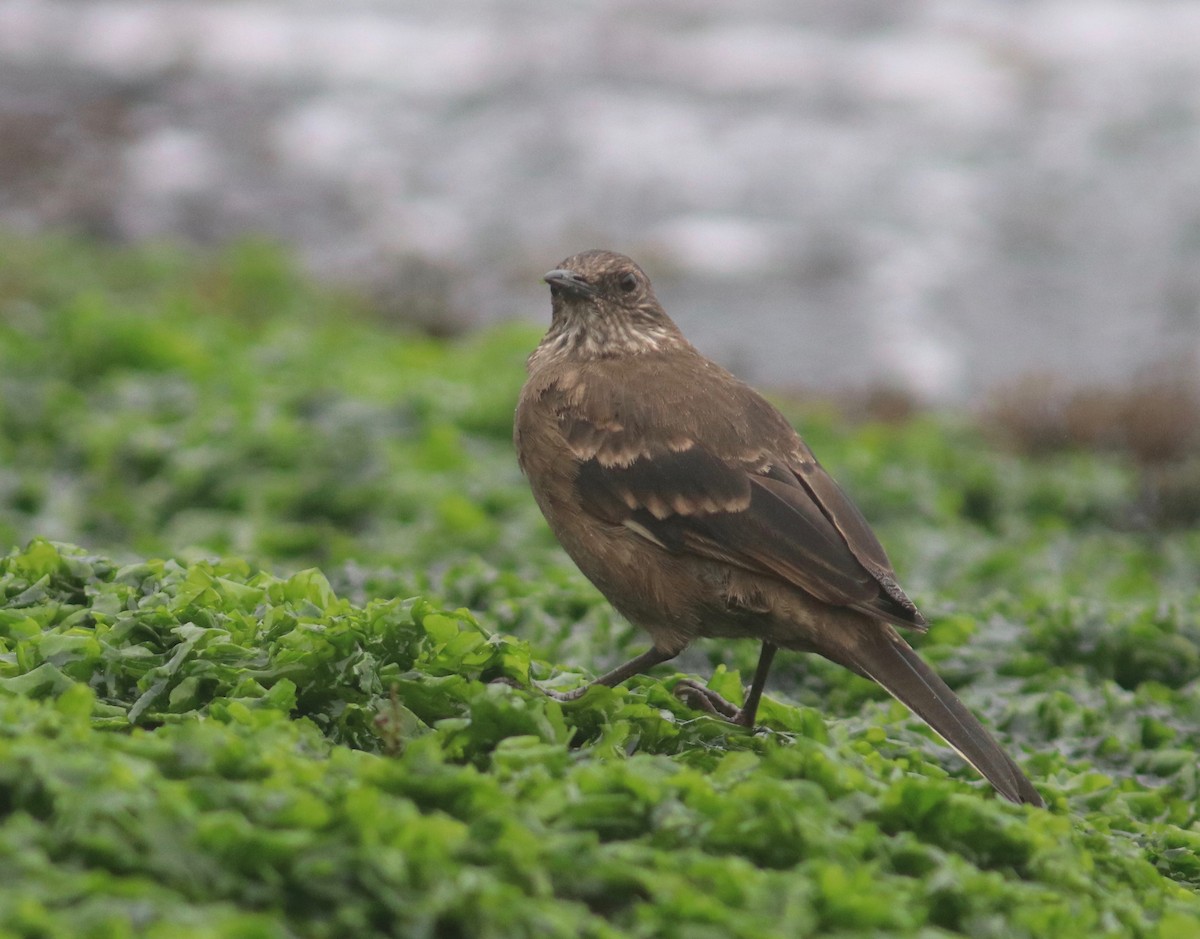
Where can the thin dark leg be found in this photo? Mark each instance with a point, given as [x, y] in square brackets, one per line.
[745, 716]
[643, 662]
[697, 695]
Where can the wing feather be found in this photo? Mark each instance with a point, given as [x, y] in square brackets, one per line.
[779, 517]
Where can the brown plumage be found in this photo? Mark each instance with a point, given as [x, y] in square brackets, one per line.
[697, 510]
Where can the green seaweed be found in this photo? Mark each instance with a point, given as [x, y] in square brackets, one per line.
[268, 556]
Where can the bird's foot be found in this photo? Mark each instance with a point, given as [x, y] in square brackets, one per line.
[703, 698]
[563, 696]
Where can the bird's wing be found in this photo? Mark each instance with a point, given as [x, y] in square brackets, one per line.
[773, 514]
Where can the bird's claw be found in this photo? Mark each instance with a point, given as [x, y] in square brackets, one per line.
[562, 696]
[703, 698]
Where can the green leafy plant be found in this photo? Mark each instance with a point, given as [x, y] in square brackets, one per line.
[263, 700]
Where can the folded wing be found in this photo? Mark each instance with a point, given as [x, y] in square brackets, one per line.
[776, 515]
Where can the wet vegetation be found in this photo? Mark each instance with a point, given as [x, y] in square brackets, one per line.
[266, 556]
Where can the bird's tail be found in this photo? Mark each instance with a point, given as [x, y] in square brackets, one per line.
[883, 656]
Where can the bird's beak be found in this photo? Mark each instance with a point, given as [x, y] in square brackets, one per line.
[569, 281]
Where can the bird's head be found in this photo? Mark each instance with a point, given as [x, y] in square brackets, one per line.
[604, 306]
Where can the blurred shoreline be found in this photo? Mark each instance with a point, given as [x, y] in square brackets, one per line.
[931, 197]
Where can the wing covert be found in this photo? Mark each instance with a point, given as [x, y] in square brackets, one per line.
[692, 501]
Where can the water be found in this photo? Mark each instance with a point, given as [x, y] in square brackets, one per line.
[937, 195]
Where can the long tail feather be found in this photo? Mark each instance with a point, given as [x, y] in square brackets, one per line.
[887, 659]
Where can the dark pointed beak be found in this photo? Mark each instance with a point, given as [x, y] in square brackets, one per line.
[570, 282]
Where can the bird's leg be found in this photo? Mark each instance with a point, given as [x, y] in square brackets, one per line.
[643, 662]
[646, 660]
[697, 695]
[754, 695]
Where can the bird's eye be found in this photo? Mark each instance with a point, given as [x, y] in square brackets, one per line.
[627, 282]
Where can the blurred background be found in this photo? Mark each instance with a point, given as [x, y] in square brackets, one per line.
[941, 198]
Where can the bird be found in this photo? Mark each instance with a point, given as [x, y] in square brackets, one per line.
[698, 511]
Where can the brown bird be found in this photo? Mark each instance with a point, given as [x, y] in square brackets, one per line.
[698, 511]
